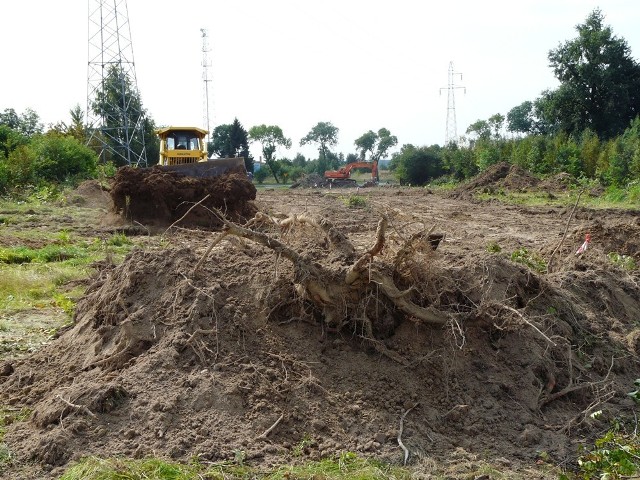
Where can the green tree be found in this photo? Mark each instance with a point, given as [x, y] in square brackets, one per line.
[418, 166]
[10, 139]
[270, 137]
[600, 81]
[26, 124]
[496, 123]
[52, 157]
[75, 128]
[520, 119]
[480, 130]
[60, 157]
[459, 162]
[126, 127]
[377, 144]
[325, 135]
[231, 140]
[299, 160]
[366, 144]
[589, 152]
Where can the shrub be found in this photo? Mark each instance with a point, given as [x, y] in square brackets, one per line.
[530, 259]
[58, 157]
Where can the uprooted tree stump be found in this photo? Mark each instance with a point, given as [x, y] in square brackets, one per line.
[344, 295]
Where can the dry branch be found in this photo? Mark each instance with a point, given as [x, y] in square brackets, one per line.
[270, 429]
[356, 270]
[75, 406]
[404, 449]
[564, 235]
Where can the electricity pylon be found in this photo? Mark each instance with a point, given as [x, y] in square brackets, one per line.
[115, 117]
[451, 135]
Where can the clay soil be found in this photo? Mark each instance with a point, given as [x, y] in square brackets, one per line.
[168, 357]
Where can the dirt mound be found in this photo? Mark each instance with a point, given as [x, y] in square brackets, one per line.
[92, 194]
[245, 353]
[312, 180]
[501, 175]
[159, 197]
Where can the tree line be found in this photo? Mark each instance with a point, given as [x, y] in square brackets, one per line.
[588, 127]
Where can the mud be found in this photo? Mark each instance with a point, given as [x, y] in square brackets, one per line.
[169, 357]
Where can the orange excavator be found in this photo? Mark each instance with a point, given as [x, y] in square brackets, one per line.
[342, 176]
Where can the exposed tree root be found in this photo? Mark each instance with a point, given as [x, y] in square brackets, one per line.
[338, 294]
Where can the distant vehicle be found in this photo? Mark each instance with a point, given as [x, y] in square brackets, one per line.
[342, 176]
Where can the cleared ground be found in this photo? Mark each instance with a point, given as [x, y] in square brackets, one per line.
[497, 346]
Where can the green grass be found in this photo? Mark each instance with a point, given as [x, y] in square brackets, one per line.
[355, 201]
[347, 466]
[30, 286]
[530, 259]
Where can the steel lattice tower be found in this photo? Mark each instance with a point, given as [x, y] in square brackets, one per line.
[115, 117]
[206, 63]
[451, 135]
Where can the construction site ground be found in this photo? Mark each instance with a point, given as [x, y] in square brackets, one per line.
[192, 349]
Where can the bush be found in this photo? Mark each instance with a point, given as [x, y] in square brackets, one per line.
[47, 158]
[59, 157]
[261, 174]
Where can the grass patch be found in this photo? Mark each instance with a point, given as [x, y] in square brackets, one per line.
[625, 262]
[530, 259]
[347, 466]
[48, 253]
[355, 201]
[628, 198]
[35, 286]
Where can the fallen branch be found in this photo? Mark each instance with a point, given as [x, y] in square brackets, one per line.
[270, 429]
[186, 213]
[564, 235]
[522, 317]
[206, 254]
[427, 315]
[356, 270]
[75, 406]
[404, 449]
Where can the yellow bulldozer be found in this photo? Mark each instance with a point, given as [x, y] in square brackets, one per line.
[183, 149]
[183, 178]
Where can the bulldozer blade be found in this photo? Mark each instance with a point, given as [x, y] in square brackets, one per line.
[210, 168]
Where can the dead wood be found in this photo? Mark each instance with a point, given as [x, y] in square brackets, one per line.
[337, 299]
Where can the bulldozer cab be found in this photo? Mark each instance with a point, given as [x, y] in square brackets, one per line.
[184, 150]
[182, 145]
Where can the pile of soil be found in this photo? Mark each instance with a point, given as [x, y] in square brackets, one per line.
[501, 175]
[91, 194]
[312, 180]
[171, 357]
[155, 196]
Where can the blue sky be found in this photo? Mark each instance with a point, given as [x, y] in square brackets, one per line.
[360, 65]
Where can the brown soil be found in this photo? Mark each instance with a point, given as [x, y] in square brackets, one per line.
[502, 175]
[159, 197]
[167, 359]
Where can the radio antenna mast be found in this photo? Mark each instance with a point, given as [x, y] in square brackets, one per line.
[206, 63]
